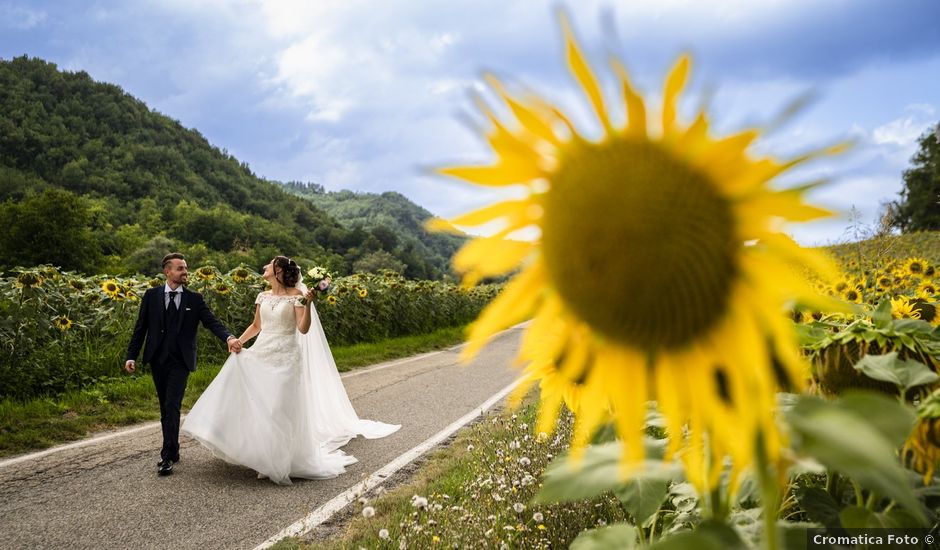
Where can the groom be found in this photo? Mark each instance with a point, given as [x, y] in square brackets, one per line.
[169, 316]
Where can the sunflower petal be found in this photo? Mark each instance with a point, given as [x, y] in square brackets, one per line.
[514, 304]
[636, 108]
[583, 74]
[526, 116]
[497, 174]
[491, 256]
[675, 82]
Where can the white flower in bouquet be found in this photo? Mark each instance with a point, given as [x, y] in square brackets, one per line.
[320, 278]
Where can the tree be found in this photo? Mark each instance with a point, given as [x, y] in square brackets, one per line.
[52, 227]
[919, 206]
[377, 261]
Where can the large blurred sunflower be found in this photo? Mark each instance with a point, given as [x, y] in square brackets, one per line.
[659, 274]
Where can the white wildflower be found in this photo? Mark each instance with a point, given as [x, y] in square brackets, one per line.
[368, 512]
[419, 502]
[383, 534]
[518, 507]
[525, 461]
[538, 517]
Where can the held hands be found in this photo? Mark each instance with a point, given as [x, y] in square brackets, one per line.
[234, 345]
[129, 366]
[309, 296]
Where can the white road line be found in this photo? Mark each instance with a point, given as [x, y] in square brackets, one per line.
[77, 444]
[337, 503]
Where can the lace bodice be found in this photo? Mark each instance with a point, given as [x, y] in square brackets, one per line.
[277, 340]
[277, 312]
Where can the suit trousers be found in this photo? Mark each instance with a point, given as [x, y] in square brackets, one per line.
[170, 376]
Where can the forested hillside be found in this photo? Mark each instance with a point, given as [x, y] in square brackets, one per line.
[91, 179]
[395, 221]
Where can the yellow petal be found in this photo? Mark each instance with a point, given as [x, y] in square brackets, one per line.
[636, 108]
[497, 174]
[583, 74]
[488, 256]
[785, 204]
[440, 225]
[514, 209]
[526, 116]
[513, 305]
[675, 82]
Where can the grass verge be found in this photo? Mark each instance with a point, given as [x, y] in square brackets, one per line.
[42, 422]
[475, 493]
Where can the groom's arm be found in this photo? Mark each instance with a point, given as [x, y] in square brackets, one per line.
[140, 330]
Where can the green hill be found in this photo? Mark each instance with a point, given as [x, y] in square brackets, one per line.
[91, 179]
[393, 220]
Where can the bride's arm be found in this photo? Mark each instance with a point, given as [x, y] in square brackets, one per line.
[302, 312]
[253, 329]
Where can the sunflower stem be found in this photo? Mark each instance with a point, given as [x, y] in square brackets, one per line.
[859, 498]
[769, 492]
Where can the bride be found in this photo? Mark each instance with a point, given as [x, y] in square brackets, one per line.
[279, 407]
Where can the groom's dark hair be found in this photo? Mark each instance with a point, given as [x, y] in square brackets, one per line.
[172, 256]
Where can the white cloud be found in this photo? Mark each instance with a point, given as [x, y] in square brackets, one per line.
[902, 132]
[20, 18]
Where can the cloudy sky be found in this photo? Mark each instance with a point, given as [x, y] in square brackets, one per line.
[366, 95]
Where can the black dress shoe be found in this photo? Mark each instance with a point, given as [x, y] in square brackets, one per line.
[166, 468]
[175, 460]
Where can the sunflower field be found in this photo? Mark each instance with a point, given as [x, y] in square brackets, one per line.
[663, 291]
[61, 330]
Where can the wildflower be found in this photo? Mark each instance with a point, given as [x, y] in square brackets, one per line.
[206, 273]
[927, 289]
[419, 502]
[111, 288]
[518, 507]
[537, 517]
[922, 448]
[368, 512]
[525, 461]
[240, 274]
[62, 323]
[902, 308]
[76, 284]
[701, 339]
[383, 534]
[915, 267]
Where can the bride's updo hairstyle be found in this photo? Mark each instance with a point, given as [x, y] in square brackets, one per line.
[290, 271]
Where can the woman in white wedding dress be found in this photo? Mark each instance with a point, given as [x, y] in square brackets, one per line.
[279, 407]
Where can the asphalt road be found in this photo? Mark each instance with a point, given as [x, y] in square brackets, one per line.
[107, 494]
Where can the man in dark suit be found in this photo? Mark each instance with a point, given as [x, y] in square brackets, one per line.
[169, 318]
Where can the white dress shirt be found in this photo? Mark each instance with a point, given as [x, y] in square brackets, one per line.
[166, 294]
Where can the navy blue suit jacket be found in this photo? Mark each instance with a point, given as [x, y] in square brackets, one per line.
[150, 324]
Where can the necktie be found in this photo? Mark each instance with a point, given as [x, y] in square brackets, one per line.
[172, 308]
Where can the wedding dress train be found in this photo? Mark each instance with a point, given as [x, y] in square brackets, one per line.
[279, 407]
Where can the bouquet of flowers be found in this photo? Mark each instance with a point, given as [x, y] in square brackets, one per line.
[320, 278]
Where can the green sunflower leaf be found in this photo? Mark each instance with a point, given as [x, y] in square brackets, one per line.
[620, 535]
[905, 374]
[882, 314]
[598, 471]
[858, 436]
